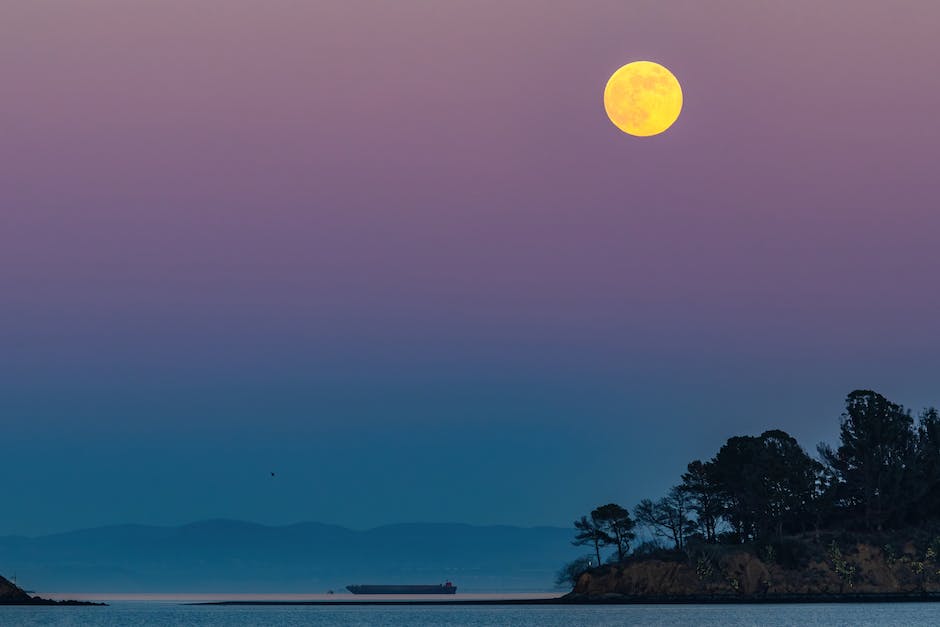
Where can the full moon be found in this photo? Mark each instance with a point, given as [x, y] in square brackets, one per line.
[643, 98]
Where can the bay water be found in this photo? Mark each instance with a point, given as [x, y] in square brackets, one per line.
[161, 613]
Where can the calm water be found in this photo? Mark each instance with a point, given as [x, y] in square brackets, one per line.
[129, 614]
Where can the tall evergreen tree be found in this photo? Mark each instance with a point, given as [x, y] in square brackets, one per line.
[874, 460]
[737, 474]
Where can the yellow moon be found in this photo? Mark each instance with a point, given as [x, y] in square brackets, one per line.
[643, 98]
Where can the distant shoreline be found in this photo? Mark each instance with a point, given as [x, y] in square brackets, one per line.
[37, 602]
[767, 599]
[392, 602]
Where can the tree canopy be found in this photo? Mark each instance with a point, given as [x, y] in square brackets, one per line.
[884, 473]
[875, 462]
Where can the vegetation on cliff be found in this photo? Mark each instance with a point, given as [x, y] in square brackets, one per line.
[764, 516]
[828, 563]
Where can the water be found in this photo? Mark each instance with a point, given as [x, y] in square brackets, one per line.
[137, 613]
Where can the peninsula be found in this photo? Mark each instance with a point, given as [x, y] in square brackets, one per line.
[764, 520]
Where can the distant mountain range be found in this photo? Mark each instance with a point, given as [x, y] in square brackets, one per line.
[234, 556]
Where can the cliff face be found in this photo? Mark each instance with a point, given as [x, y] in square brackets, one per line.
[827, 570]
[10, 593]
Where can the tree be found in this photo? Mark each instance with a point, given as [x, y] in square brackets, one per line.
[823, 510]
[766, 484]
[589, 533]
[668, 517]
[873, 463]
[927, 466]
[737, 474]
[699, 484]
[617, 526]
[792, 481]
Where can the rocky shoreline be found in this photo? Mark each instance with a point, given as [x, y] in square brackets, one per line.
[732, 599]
[11, 594]
[797, 570]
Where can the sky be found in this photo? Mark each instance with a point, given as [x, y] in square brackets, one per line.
[396, 253]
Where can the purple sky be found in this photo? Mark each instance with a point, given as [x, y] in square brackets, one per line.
[369, 243]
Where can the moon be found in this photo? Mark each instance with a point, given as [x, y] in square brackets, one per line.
[643, 98]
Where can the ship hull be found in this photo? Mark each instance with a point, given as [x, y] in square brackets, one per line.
[369, 589]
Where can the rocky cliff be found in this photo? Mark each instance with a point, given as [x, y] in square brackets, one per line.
[803, 568]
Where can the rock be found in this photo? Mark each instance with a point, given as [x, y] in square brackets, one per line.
[735, 572]
[10, 593]
[749, 573]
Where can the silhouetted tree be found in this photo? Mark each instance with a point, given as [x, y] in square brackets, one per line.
[737, 475]
[927, 466]
[885, 472]
[617, 525]
[792, 482]
[698, 483]
[874, 458]
[589, 533]
[766, 483]
[822, 510]
[668, 517]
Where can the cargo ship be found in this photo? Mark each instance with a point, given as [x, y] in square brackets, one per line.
[444, 588]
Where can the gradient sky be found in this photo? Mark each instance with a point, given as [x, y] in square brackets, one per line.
[395, 251]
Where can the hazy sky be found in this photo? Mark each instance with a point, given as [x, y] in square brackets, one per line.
[395, 251]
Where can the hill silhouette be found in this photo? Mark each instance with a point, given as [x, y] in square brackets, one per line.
[11, 594]
[237, 556]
